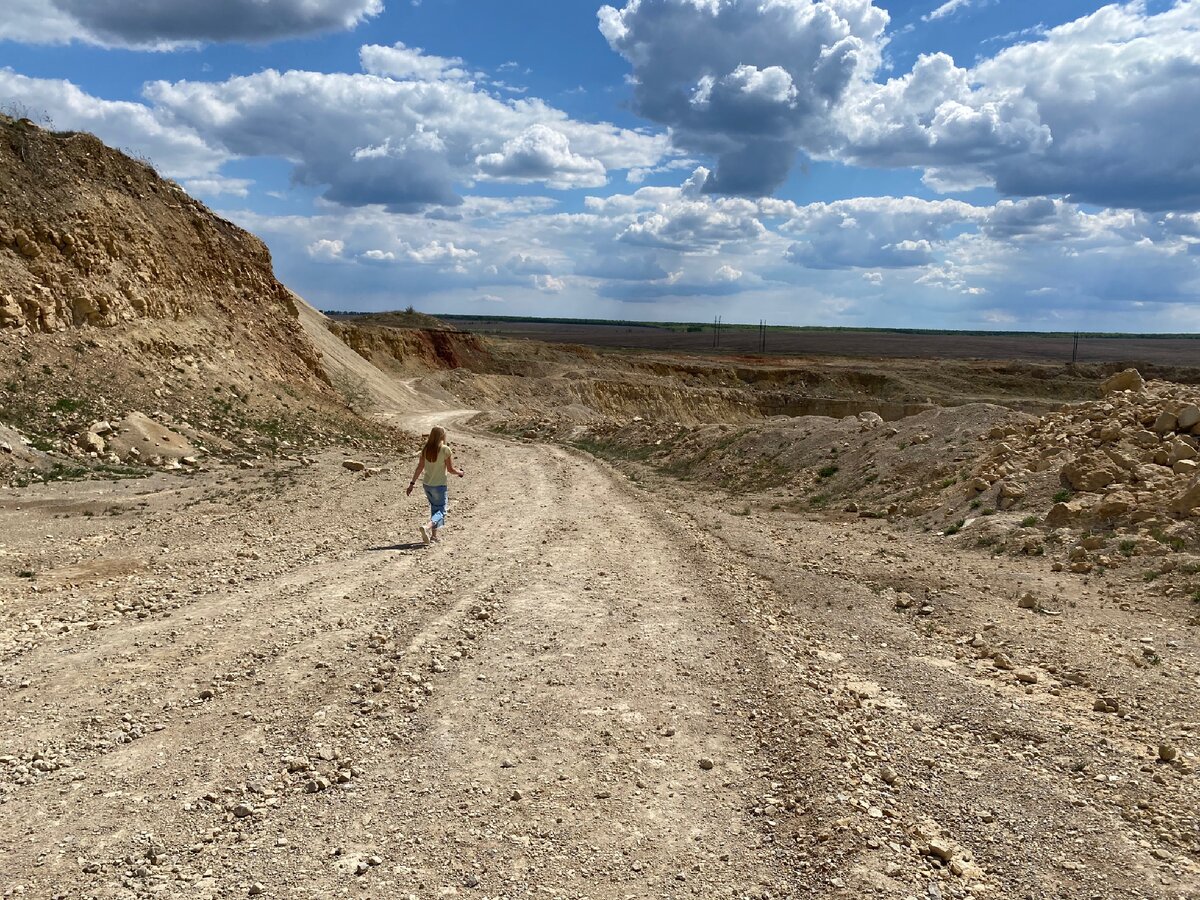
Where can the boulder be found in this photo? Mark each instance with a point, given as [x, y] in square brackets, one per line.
[353, 465]
[1129, 380]
[1166, 422]
[93, 443]
[1062, 514]
[1189, 501]
[1188, 417]
[1185, 466]
[1089, 473]
[1144, 439]
[1180, 448]
[1118, 503]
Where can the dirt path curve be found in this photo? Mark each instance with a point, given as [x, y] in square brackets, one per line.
[547, 704]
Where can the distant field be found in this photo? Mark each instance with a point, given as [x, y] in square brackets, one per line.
[1165, 350]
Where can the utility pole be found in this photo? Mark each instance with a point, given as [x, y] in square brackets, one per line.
[716, 332]
[1075, 348]
[762, 335]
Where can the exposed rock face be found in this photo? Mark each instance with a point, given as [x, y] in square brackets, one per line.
[90, 237]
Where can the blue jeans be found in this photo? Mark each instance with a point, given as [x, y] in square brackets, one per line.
[436, 495]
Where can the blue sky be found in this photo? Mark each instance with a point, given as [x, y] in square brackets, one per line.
[999, 164]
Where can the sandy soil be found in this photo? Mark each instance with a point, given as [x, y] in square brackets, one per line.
[256, 682]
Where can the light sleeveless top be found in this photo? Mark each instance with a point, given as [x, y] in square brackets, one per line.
[434, 473]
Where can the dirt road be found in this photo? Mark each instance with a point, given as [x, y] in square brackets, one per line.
[255, 683]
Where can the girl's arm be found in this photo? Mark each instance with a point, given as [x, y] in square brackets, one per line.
[450, 467]
[417, 473]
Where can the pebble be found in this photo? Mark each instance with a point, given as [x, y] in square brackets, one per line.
[706, 763]
[1167, 753]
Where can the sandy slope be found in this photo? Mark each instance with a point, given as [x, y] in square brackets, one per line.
[250, 682]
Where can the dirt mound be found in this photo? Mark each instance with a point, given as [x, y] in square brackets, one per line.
[120, 294]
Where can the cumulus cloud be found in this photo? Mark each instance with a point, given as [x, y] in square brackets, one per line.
[177, 151]
[1089, 110]
[404, 144]
[746, 82]
[540, 153]
[326, 249]
[162, 24]
[549, 284]
[402, 63]
[875, 232]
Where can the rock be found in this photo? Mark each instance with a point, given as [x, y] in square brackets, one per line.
[1166, 422]
[1181, 448]
[1185, 466]
[101, 428]
[354, 465]
[1106, 705]
[1027, 601]
[6, 447]
[1002, 661]
[515, 795]
[1026, 676]
[1167, 753]
[1118, 503]
[939, 849]
[1063, 514]
[1128, 380]
[256, 889]
[706, 763]
[93, 443]
[1089, 473]
[1189, 500]
[1188, 417]
[243, 810]
[888, 775]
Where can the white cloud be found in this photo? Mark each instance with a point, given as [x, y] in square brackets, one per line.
[166, 24]
[177, 151]
[436, 253]
[540, 153]
[746, 82]
[549, 284]
[326, 250]
[875, 232]
[949, 8]
[217, 185]
[406, 145]
[404, 63]
[1090, 110]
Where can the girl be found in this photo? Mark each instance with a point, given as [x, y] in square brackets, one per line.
[435, 462]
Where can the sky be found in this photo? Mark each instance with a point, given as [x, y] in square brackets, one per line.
[973, 164]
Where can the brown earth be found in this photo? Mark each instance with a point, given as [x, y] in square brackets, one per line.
[700, 627]
[1173, 356]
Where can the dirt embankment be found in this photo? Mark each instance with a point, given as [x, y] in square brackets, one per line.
[122, 296]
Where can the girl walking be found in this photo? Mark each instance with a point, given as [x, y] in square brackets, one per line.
[434, 463]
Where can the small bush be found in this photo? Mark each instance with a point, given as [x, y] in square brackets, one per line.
[1063, 496]
[1029, 521]
[955, 528]
[827, 471]
[1127, 547]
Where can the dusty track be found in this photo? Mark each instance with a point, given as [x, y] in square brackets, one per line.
[523, 710]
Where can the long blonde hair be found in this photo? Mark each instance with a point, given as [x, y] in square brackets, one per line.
[434, 443]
